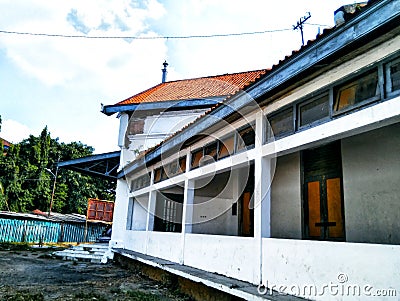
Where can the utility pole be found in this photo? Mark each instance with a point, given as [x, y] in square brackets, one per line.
[54, 186]
[300, 25]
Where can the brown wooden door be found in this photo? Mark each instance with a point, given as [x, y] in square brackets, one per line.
[325, 215]
[247, 215]
[323, 201]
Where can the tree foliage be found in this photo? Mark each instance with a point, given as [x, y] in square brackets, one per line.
[27, 173]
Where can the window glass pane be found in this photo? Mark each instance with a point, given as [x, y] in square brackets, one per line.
[172, 169]
[246, 138]
[357, 91]
[196, 156]
[211, 150]
[210, 153]
[226, 147]
[395, 76]
[157, 175]
[314, 110]
[282, 123]
[182, 164]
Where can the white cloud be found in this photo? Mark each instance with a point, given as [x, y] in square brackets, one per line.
[57, 61]
[15, 132]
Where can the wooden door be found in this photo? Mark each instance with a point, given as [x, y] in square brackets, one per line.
[325, 215]
[323, 201]
[247, 215]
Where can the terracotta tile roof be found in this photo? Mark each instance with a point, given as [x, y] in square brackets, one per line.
[196, 88]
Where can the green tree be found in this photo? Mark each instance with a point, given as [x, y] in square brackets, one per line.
[26, 183]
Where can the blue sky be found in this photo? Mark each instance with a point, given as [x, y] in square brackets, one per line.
[61, 82]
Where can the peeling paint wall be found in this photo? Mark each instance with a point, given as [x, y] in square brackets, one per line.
[371, 180]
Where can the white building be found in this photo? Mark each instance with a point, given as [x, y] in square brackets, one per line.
[292, 182]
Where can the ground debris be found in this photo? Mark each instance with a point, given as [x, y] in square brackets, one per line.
[28, 275]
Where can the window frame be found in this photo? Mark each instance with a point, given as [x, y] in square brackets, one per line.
[251, 127]
[277, 113]
[306, 102]
[347, 82]
[388, 78]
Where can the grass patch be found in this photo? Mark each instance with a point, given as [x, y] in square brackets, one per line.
[14, 246]
[23, 296]
[88, 296]
[141, 296]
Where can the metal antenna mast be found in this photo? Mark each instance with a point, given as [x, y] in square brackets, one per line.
[300, 25]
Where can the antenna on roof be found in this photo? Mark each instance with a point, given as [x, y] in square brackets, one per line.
[164, 72]
[300, 25]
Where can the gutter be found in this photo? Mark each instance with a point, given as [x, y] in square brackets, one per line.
[176, 105]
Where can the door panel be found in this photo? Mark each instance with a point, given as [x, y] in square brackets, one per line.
[246, 214]
[334, 199]
[323, 202]
[314, 208]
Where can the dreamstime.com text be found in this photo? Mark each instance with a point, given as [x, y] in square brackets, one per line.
[341, 287]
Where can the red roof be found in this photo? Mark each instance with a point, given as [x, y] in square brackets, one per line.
[196, 88]
[5, 142]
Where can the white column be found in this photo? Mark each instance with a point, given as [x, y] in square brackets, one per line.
[262, 196]
[187, 213]
[120, 214]
[151, 208]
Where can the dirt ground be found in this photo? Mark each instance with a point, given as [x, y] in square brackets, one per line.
[28, 274]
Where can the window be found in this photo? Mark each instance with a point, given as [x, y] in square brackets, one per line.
[182, 164]
[246, 138]
[157, 175]
[196, 156]
[226, 146]
[282, 123]
[393, 76]
[174, 168]
[360, 90]
[314, 110]
[141, 182]
[210, 153]
[136, 126]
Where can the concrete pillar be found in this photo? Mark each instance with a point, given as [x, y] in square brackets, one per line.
[120, 214]
[151, 208]
[187, 213]
[262, 195]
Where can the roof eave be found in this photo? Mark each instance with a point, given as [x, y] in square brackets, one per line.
[377, 16]
[187, 104]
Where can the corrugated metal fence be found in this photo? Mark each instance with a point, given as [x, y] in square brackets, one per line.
[26, 230]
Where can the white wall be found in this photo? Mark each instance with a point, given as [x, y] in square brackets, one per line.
[214, 216]
[165, 245]
[286, 198]
[371, 180]
[120, 214]
[228, 256]
[157, 127]
[300, 264]
[212, 205]
[136, 241]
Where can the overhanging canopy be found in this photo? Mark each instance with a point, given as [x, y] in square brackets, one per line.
[101, 165]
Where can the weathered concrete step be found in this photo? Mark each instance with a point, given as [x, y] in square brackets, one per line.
[78, 252]
[86, 252]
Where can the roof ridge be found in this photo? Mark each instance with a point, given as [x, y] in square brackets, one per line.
[218, 75]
